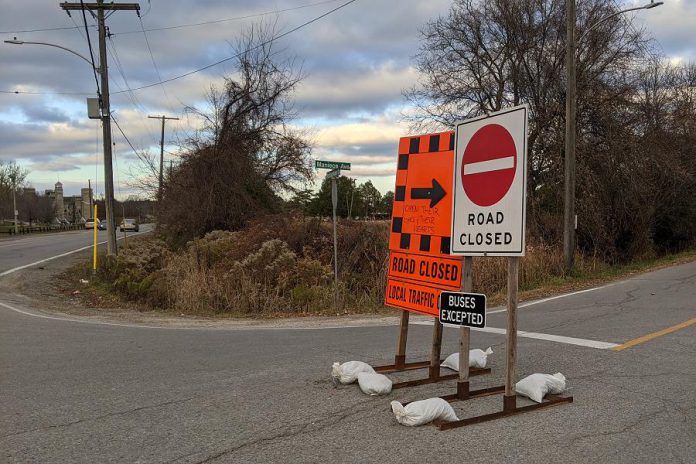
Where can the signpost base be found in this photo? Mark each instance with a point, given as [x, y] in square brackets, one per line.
[509, 402]
[400, 364]
[473, 371]
[509, 409]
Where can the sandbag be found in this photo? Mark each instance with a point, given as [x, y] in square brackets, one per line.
[422, 412]
[536, 386]
[477, 358]
[348, 371]
[374, 384]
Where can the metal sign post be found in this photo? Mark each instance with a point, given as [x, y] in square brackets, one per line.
[333, 175]
[334, 202]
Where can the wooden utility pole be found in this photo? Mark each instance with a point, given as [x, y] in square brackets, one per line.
[161, 167]
[569, 194]
[100, 7]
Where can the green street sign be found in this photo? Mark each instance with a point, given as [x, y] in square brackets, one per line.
[333, 174]
[331, 165]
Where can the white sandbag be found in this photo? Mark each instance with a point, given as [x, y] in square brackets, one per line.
[374, 384]
[536, 386]
[477, 358]
[348, 371]
[422, 412]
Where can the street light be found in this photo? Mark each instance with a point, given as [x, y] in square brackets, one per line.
[22, 42]
[569, 218]
[106, 125]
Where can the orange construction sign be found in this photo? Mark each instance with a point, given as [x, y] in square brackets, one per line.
[420, 265]
[412, 297]
[445, 273]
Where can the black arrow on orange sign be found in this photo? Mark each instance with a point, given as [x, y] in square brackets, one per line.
[434, 194]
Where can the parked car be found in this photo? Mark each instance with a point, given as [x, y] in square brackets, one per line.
[130, 224]
[90, 223]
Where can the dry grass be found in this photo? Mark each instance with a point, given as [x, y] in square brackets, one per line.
[283, 266]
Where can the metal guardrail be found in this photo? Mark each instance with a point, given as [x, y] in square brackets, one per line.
[39, 229]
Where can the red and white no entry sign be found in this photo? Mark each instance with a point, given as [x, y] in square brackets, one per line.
[488, 165]
[489, 202]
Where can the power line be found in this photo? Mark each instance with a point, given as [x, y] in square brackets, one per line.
[236, 18]
[123, 134]
[25, 31]
[178, 26]
[284, 34]
[131, 95]
[29, 92]
[159, 76]
[91, 53]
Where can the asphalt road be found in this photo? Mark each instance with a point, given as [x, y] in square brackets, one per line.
[83, 391]
[21, 250]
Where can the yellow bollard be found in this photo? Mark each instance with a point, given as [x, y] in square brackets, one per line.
[94, 263]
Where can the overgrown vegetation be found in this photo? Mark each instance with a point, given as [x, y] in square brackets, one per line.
[230, 242]
[283, 266]
[245, 155]
[278, 264]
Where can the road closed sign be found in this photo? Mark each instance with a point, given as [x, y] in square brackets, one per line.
[490, 179]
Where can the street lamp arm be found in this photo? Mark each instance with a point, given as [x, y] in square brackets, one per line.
[627, 10]
[22, 42]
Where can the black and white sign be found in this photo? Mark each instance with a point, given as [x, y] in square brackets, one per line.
[463, 309]
[490, 182]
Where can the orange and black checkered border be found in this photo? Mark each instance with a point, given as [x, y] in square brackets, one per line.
[431, 245]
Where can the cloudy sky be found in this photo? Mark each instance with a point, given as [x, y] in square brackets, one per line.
[357, 60]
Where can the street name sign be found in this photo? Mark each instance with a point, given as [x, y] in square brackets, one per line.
[490, 182]
[334, 173]
[318, 164]
[463, 309]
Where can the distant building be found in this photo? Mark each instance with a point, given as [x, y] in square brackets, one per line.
[29, 191]
[76, 208]
[60, 204]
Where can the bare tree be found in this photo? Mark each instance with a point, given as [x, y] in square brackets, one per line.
[245, 152]
[487, 55]
[12, 176]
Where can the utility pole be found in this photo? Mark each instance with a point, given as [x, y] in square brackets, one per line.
[161, 167]
[569, 194]
[100, 7]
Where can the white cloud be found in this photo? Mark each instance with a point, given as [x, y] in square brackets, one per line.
[357, 62]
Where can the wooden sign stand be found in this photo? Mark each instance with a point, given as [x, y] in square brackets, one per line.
[433, 364]
[508, 390]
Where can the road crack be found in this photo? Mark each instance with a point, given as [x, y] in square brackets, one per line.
[96, 418]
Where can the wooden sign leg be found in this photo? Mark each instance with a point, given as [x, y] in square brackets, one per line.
[509, 400]
[400, 358]
[437, 349]
[464, 335]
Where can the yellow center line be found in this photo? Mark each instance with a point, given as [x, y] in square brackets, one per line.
[651, 336]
